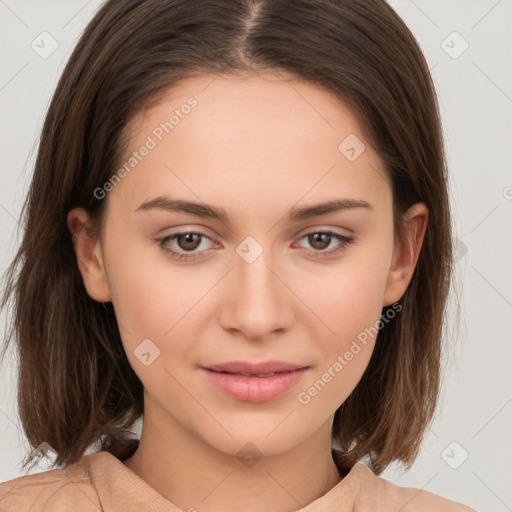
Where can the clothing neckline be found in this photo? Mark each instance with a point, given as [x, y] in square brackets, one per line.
[117, 483]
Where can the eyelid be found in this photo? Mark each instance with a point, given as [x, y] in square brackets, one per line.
[203, 230]
[343, 241]
[192, 228]
[325, 227]
[176, 254]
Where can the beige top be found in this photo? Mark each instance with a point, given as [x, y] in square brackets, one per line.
[101, 482]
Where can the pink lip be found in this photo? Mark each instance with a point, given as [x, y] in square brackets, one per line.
[252, 388]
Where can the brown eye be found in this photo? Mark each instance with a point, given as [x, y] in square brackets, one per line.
[319, 241]
[182, 246]
[188, 241]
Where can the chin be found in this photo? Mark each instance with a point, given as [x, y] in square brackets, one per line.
[256, 439]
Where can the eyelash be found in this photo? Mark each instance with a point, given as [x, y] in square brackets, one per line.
[162, 243]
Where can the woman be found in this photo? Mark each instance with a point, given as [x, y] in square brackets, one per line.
[239, 229]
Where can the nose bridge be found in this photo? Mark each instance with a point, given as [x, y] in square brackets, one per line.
[258, 301]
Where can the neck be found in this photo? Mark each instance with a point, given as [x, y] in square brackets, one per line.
[193, 475]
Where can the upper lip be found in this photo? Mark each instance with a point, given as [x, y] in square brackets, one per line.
[254, 368]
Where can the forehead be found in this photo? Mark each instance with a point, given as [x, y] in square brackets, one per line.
[248, 140]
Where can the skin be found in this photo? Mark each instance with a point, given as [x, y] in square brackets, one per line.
[256, 146]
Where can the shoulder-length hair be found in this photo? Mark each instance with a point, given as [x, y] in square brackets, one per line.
[76, 386]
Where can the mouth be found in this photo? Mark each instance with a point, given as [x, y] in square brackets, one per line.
[254, 382]
[259, 375]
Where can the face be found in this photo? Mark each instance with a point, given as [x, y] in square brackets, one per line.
[252, 273]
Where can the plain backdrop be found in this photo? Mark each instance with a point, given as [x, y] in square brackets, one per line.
[466, 454]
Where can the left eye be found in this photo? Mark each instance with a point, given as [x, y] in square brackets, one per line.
[190, 240]
[318, 239]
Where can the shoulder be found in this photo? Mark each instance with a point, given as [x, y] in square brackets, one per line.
[57, 490]
[377, 493]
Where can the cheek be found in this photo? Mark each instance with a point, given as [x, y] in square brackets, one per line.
[153, 301]
[166, 309]
[344, 341]
[347, 300]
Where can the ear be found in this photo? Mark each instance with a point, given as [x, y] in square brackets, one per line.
[89, 256]
[406, 254]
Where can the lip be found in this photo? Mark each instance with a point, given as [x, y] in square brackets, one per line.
[254, 389]
[254, 368]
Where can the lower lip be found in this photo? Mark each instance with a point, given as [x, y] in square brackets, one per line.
[254, 389]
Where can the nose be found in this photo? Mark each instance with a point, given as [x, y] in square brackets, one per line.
[258, 302]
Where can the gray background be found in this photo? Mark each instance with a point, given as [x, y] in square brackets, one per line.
[466, 454]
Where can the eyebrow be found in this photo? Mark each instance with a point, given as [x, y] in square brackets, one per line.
[204, 210]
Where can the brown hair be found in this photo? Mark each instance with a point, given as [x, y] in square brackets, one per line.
[76, 386]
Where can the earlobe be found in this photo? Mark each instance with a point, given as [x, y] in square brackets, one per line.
[406, 255]
[89, 256]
